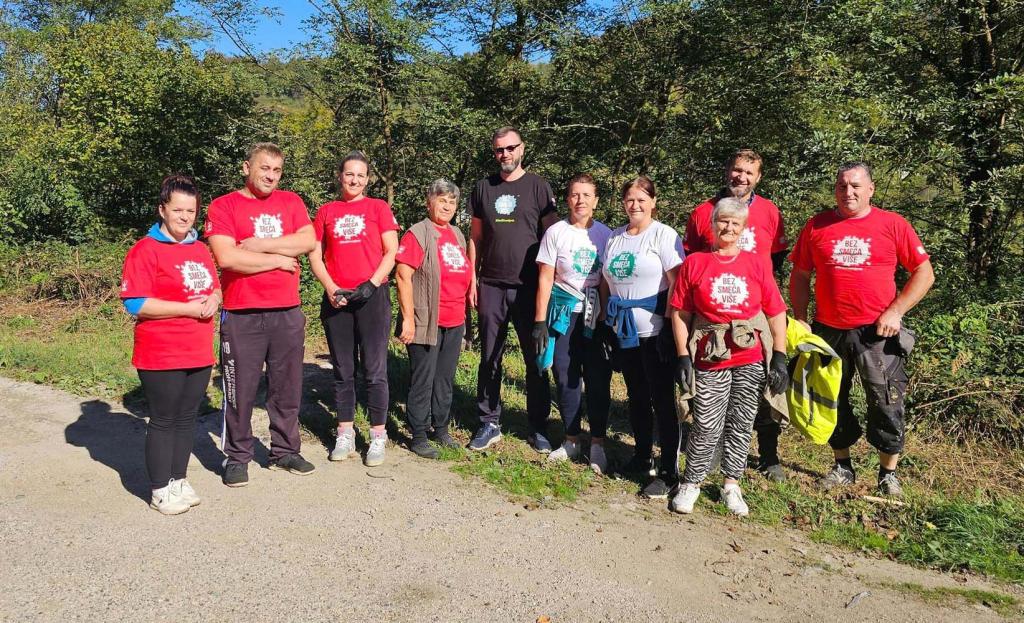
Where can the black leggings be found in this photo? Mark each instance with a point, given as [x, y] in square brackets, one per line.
[649, 386]
[173, 397]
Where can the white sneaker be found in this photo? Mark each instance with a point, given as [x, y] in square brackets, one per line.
[733, 498]
[375, 455]
[568, 452]
[685, 499]
[345, 446]
[598, 461]
[167, 502]
[184, 490]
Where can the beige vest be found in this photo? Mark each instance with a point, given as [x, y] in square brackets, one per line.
[426, 282]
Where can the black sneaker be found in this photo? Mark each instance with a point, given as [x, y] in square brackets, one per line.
[658, 488]
[639, 466]
[236, 474]
[294, 463]
[424, 449]
[444, 439]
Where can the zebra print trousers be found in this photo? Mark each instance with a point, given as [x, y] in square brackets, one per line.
[726, 403]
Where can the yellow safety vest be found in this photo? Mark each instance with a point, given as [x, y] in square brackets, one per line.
[814, 388]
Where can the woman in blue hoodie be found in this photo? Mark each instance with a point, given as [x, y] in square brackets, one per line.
[170, 286]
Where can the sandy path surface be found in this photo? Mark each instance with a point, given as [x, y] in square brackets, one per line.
[78, 543]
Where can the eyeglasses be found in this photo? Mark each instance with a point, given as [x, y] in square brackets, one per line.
[511, 148]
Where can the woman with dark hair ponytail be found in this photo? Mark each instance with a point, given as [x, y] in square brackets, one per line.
[170, 286]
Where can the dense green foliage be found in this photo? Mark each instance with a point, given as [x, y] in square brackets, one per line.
[99, 99]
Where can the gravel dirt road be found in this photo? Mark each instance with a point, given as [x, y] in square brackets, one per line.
[416, 543]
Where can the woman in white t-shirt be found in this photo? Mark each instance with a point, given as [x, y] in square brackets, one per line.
[568, 304]
[642, 259]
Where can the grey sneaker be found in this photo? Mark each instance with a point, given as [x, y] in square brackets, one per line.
[773, 472]
[568, 451]
[890, 486]
[838, 477]
[598, 460]
[375, 455]
[236, 474]
[345, 446]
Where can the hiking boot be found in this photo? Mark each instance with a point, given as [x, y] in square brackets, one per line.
[444, 439]
[638, 466]
[658, 488]
[236, 474]
[733, 498]
[890, 486]
[486, 436]
[540, 443]
[569, 451]
[838, 477]
[184, 490]
[598, 461]
[293, 463]
[375, 453]
[772, 472]
[685, 498]
[167, 501]
[423, 448]
[345, 446]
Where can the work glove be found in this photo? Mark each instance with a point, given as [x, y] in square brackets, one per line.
[684, 370]
[361, 294]
[539, 334]
[666, 344]
[778, 374]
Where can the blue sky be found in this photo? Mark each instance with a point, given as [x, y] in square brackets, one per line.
[285, 30]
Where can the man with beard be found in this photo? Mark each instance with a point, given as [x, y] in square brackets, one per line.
[764, 236]
[510, 210]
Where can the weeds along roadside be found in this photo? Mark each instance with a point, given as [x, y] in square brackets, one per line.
[63, 325]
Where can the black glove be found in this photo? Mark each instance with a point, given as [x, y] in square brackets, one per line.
[609, 343]
[361, 294]
[540, 337]
[684, 370]
[666, 344]
[778, 374]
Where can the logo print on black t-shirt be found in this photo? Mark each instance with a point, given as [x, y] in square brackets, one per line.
[622, 266]
[505, 205]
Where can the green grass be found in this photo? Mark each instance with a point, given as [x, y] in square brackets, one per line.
[1003, 604]
[526, 478]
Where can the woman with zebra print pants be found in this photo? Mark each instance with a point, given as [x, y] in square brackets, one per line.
[727, 316]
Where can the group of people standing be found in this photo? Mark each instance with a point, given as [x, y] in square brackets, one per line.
[702, 312]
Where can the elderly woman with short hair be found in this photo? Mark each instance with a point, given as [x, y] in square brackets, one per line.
[434, 280]
[729, 322]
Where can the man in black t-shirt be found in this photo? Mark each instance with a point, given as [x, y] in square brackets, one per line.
[510, 211]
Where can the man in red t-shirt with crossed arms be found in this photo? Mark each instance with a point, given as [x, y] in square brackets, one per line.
[854, 250]
[256, 234]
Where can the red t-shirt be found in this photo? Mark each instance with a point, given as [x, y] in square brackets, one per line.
[855, 261]
[238, 217]
[454, 273]
[170, 272]
[349, 232]
[763, 235]
[727, 289]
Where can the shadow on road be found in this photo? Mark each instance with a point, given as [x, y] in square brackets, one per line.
[117, 439]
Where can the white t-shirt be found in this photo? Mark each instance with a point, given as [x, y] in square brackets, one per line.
[635, 267]
[577, 255]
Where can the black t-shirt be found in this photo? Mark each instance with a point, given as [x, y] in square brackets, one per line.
[511, 213]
